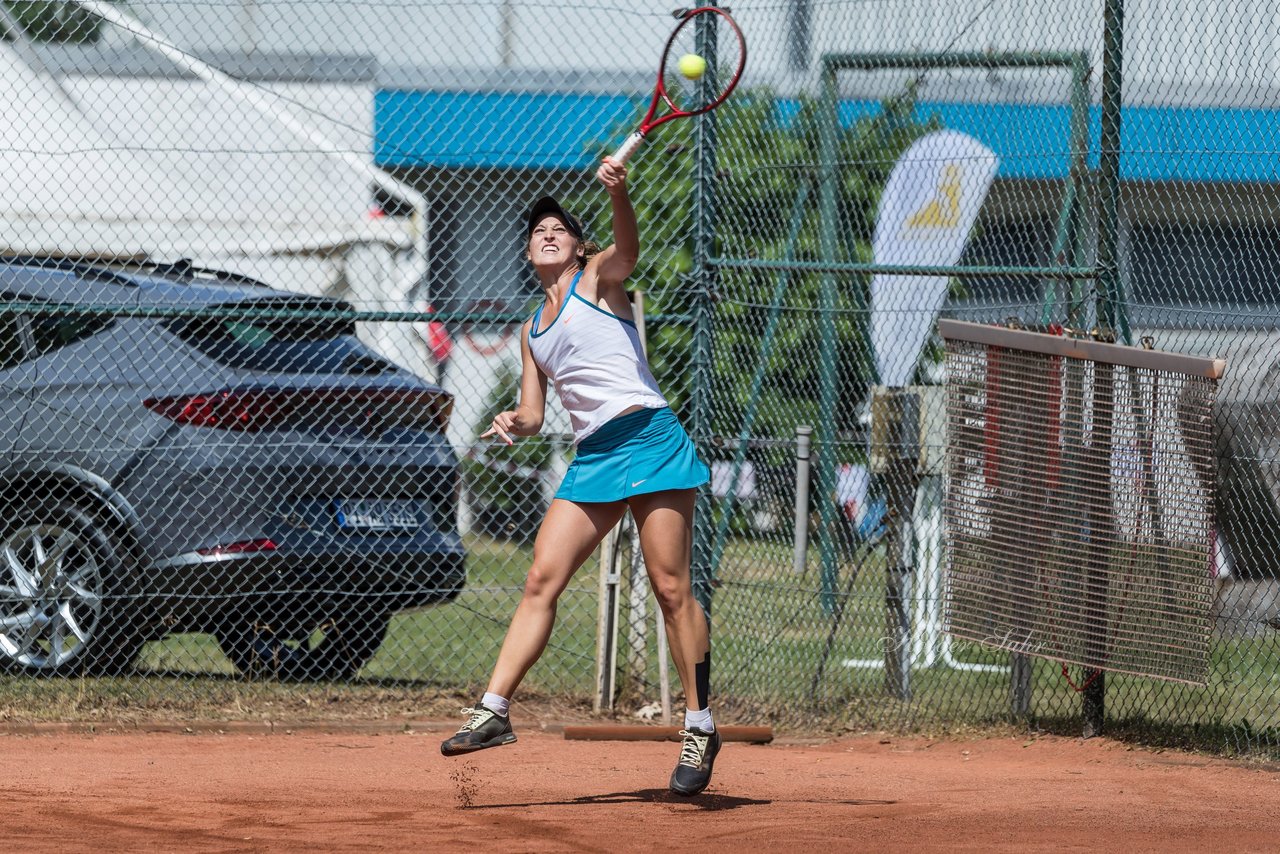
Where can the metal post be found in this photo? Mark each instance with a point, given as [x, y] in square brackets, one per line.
[664, 671]
[1101, 521]
[801, 535]
[607, 623]
[637, 615]
[898, 414]
[1067, 238]
[704, 280]
[1111, 310]
[800, 17]
[1020, 669]
[826, 355]
[1112, 313]
[1080, 101]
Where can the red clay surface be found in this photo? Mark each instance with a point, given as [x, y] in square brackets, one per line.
[357, 790]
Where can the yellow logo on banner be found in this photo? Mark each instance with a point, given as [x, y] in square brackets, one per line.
[943, 210]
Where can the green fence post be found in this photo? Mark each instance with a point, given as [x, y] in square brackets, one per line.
[1067, 242]
[703, 355]
[1112, 317]
[1112, 314]
[829, 206]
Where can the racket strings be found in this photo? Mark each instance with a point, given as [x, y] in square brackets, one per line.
[723, 56]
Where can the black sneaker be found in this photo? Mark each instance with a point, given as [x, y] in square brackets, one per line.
[484, 728]
[697, 755]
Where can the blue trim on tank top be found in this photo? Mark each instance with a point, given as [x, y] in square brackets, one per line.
[573, 292]
[630, 323]
[537, 315]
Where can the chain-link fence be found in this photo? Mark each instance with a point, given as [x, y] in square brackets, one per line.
[264, 274]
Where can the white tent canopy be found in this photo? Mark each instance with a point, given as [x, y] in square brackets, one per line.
[179, 168]
[171, 166]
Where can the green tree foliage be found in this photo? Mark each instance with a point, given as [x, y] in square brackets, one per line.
[767, 208]
[51, 21]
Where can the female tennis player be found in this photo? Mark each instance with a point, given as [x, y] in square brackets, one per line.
[632, 454]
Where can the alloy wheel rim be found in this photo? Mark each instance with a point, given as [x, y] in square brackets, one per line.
[50, 595]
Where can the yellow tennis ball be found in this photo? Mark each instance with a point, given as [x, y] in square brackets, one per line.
[692, 66]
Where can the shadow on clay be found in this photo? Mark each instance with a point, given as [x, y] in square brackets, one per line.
[708, 801]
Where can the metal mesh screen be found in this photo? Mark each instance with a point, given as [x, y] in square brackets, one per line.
[262, 275]
[1080, 506]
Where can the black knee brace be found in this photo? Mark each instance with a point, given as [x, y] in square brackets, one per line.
[702, 680]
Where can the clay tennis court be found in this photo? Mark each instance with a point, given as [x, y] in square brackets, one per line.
[382, 788]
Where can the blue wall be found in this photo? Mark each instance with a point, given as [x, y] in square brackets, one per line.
[567, 131]
[472, 129]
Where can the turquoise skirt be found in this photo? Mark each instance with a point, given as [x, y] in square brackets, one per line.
[637, 453]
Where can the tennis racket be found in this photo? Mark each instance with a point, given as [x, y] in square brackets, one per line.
[714, 41]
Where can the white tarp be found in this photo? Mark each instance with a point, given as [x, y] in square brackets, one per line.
[168, 167]
[66, 188]
[181, 168]
[928, 207]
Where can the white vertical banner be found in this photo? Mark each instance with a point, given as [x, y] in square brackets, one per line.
[926, 212]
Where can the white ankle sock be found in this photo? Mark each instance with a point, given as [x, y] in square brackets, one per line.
[498, 705]
[699, 719]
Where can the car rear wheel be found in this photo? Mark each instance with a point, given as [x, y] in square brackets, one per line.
[61, 579]
[334, 649]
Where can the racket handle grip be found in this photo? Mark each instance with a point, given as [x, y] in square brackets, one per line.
[628, 148]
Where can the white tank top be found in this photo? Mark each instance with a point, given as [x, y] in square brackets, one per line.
[594, 359]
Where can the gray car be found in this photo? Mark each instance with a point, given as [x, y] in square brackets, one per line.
[229, 459]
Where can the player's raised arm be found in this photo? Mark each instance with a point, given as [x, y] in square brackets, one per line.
[616, 262]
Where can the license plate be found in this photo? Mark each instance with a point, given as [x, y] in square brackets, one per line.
[371, 514]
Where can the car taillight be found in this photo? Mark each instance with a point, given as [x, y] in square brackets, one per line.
[253, 410]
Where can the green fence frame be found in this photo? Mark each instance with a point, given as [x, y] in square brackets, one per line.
[1068, 247]
[1069, 253]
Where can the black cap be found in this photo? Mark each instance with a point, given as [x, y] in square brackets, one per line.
[547, 205]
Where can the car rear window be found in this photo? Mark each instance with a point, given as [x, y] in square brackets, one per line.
[10, 343]
[289, 344]
[54, 331]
